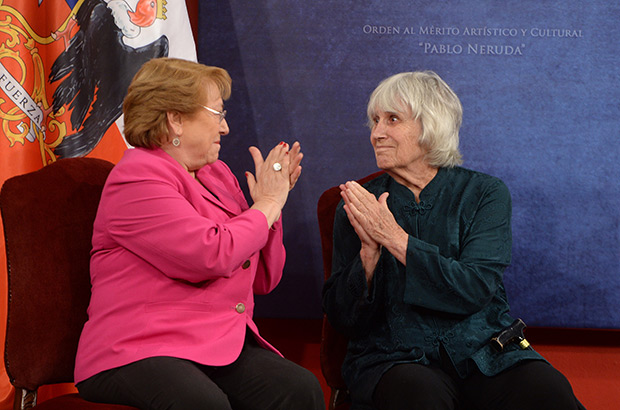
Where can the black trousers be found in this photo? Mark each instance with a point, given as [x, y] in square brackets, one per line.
[258, 380]
[531, 385]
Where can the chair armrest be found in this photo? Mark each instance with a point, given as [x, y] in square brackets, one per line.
[24, 399]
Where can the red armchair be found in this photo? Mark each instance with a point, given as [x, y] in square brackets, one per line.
[48, 224]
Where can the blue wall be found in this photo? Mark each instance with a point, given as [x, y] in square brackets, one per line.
[540, 86]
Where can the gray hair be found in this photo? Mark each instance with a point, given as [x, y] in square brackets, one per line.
[425, 96]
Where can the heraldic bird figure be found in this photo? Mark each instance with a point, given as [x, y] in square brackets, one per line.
[97, 67]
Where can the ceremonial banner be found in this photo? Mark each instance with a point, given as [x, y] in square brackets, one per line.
[540, 87]
[64, 70]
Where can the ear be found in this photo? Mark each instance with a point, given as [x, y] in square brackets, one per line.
[175, 122]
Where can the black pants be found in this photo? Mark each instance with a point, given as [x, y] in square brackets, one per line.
[258, 380]
[531, 385]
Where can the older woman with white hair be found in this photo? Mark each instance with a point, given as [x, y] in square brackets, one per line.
[417, 275]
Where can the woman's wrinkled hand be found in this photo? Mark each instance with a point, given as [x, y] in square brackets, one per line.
[373, 221]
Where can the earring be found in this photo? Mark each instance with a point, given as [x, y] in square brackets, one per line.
[176, 141]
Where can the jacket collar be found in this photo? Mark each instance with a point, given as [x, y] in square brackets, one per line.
[209, 181]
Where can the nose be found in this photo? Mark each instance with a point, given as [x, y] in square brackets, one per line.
[224, 130]
[378, 131]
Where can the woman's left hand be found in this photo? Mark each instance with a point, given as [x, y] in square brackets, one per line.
[375, 218]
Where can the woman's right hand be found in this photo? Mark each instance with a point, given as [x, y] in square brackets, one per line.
[269, 188]
[370, 249]
[375, 225]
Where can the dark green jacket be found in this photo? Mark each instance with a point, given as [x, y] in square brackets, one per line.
[451, 292]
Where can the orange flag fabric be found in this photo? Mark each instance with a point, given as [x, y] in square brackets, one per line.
[64, 69]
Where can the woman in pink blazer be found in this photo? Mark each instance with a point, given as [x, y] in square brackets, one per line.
[178, 256]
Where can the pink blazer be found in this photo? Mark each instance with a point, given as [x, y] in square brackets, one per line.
[174, 266]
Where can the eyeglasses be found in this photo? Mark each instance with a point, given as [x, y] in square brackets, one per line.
[221, 114]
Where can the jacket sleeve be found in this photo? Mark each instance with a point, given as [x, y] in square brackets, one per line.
[347, 301]
[463, 284]
[152, 218]
[271, 262]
